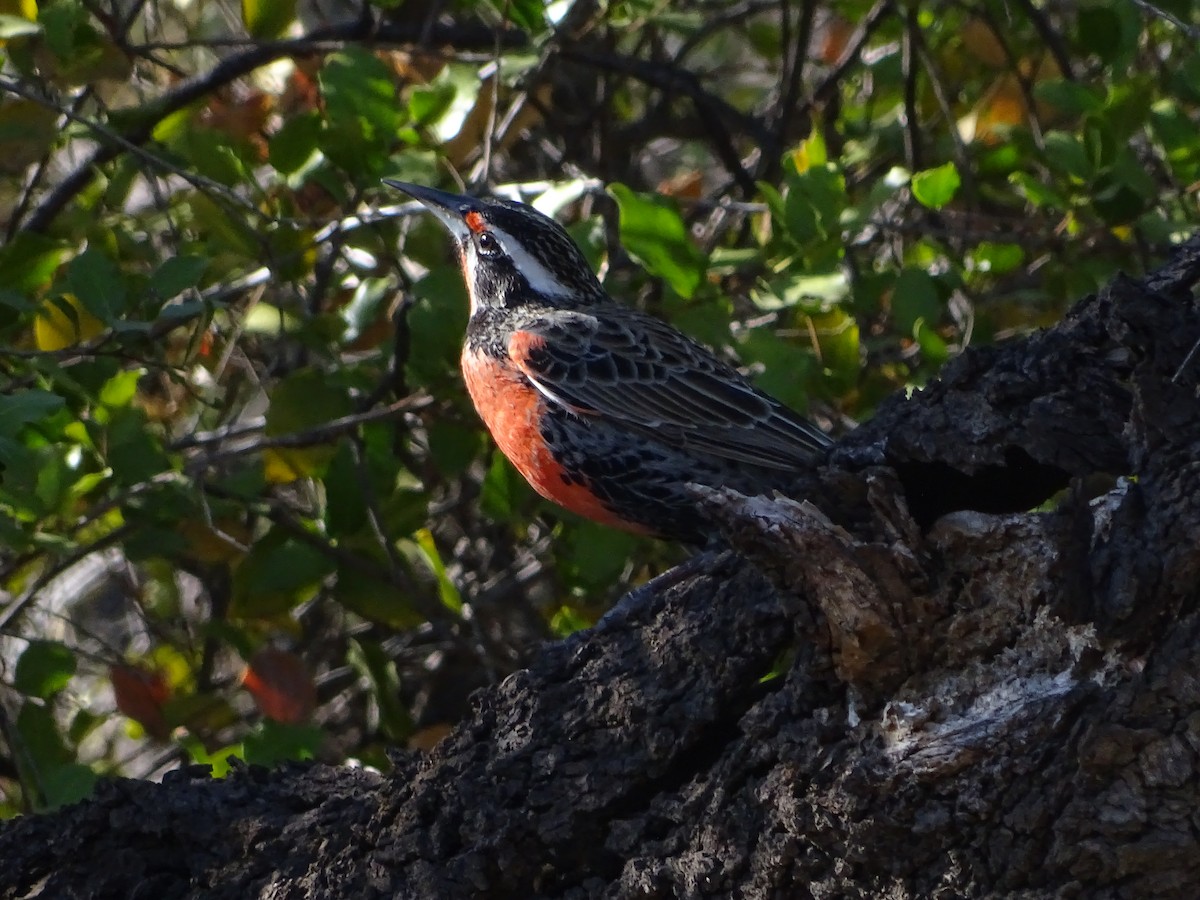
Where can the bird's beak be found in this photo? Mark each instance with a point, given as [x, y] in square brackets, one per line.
[451, 209]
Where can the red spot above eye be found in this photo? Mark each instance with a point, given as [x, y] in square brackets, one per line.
[475, 222]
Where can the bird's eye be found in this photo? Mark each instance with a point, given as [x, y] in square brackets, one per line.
[488, 245]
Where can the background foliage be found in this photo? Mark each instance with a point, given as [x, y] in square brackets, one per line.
[244, 501]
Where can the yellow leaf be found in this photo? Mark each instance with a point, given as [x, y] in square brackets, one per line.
[56, 327]
[268, 18]
[811, 153]
[283, 465]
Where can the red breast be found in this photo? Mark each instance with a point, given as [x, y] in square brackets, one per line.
[512, 409]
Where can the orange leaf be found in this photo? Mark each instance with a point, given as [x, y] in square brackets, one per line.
[140, 695]
[833, 39]
[281, 686]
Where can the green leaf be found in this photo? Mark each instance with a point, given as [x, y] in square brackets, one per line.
[934, 188]
[1066, 153]
[294, 146]
[42, 742]
[96, 281]
[378, 669]
[304, 400]
[504, 491]
[593, 556]
[439, 316]
[274, 742]
[345, 504]
[66, 784]
[374, 599]
[361, 108]
[44, 669]
[1069, 97]
[64, 23]
[18, 410]
[1108, 31]
[839, 340]
[995, 259]
[527, 14]
[133, 452]
[29, 261]
[933, 348]
[277, 574]
[176, 275]
[268, 18]
[121, 388]
[813, 207]
[1037, 193]
[654, 234]
[219, 760]
[453, 446]
[1185, 78]
[428, 104]
[447, 590]
[809, 291]
[915, 298]
[223, 231]
[216, 155]
[568, 620]
[787, 370]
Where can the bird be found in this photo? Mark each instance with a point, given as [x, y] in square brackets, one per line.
[604, 409]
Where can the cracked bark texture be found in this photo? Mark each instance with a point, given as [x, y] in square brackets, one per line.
[905, 685]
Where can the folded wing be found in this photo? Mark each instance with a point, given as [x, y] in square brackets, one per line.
[633, 370]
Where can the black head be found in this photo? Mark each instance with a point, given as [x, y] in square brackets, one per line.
[510, 253]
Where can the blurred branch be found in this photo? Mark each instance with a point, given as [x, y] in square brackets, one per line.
[323, 40]
[53, 570]
[828, 88]
[323, 434]
[1052, 38]
[714, 113]
[1191, 31]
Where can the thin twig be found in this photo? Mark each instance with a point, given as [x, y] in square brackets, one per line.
[1191, 31]
[239, 64]
[323, 434]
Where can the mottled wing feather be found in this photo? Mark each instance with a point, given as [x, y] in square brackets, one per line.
[634, 370]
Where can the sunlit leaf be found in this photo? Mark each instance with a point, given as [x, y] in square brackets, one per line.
[447, 590]
[274, 742]
[653, 233]
[935, 188]
[15, 26]
[268, 18]
[63, 322]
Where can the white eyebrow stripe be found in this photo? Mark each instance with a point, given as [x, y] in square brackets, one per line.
[540, 279]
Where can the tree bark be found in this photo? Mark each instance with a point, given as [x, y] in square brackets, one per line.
[966, 662]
